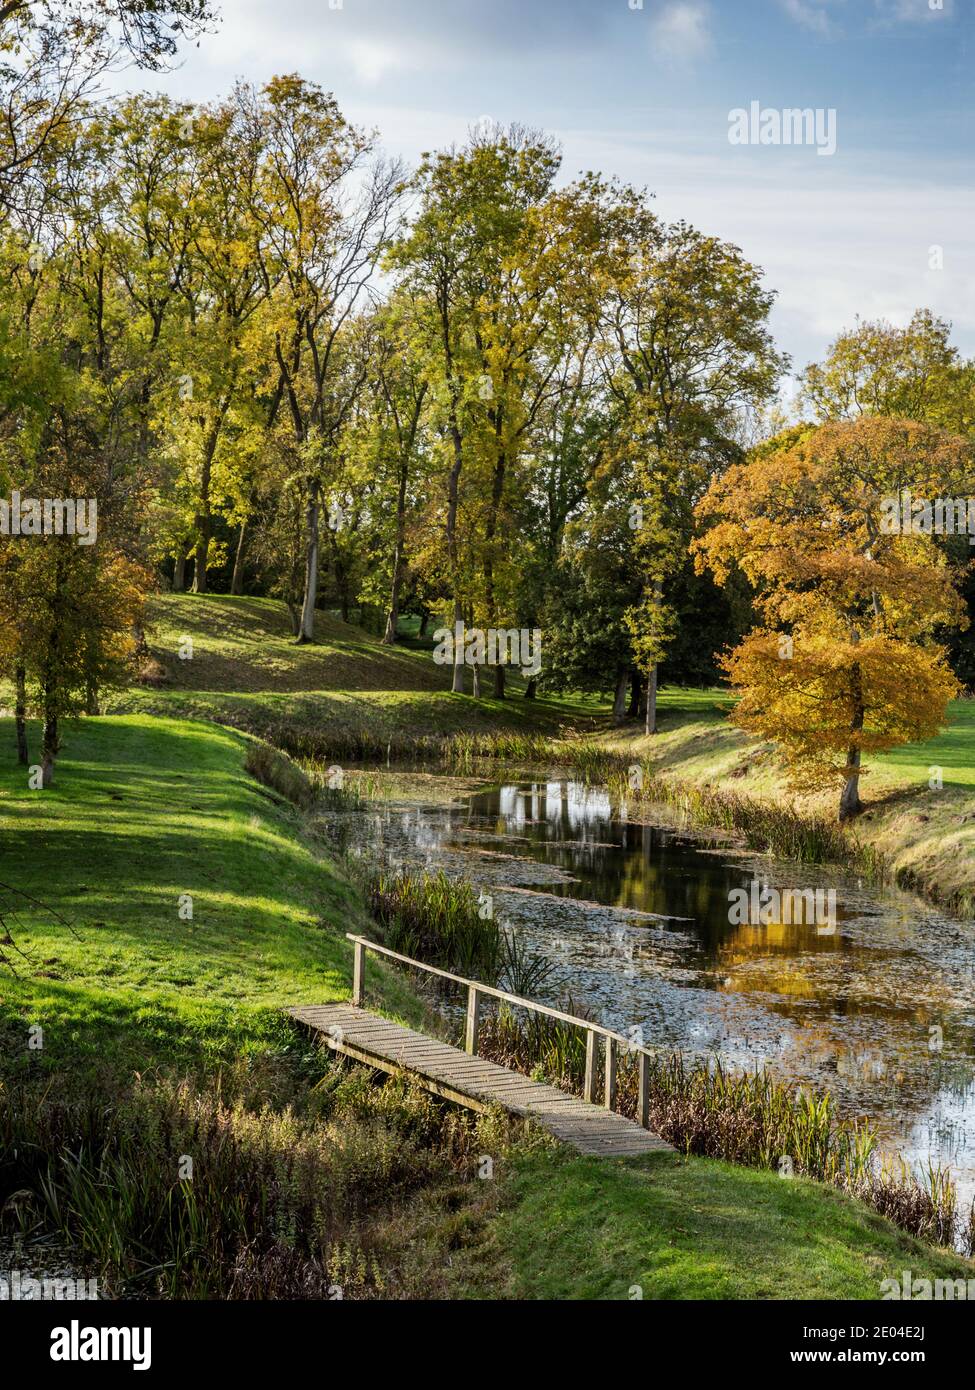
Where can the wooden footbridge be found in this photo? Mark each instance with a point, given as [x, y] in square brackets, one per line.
[478, 1084]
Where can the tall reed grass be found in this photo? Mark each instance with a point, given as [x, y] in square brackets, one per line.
[281, 1201]
[438, 920]
[766, 827]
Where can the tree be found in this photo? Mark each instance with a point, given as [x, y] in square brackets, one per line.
[878, 369]
[475, 264]
[389, 456]
[324, 205]
[53, 53]
[688, 350]
[846, 664]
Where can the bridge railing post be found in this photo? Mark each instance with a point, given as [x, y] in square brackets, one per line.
[474, 1000]
[592, 1042]
[358, 973]
[643, 1092]
[610, 1087]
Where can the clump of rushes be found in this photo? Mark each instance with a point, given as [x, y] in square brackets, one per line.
[762, 826]
[704, 1108]
[436, 919]
[456, 752]
[926, 1206]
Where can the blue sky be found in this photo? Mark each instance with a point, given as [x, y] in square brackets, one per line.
[645, 91]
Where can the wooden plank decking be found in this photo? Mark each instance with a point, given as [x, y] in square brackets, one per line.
[475, 1082]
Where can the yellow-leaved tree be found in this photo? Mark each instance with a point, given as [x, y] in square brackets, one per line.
[846, 663]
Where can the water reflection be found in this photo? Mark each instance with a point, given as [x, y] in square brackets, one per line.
[879, 1005]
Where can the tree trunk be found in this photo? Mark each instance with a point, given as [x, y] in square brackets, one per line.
[457, 686]
[20, 678]
[91, 697]
[619, 702]
[237, 582]
[50, 745]
[179, 568]
[453, 484]
[651, 725]
[294, 615]
[204, 519]
[499, 682]
[306, 632]
[202, 557]
[850, 803]
[424, 624]
[392, 617]
[636, 690]
[530, 688]
[476, 681]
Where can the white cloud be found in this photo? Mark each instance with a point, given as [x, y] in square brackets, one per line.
[681, 32]
[834, 242]
[373, 61]
[810, 14]
[820, 16]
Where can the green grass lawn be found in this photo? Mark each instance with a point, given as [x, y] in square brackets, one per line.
[142, 812]
[953, 750]
[690, 1228]
[925, 833]
[247, 671]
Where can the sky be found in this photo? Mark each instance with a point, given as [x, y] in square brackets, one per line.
[644, 89]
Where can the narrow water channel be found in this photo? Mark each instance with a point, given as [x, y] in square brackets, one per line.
[877, 1006]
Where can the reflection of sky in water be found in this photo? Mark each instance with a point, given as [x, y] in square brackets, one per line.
[635, 921]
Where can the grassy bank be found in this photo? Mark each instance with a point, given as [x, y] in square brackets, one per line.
[924, 834]
[666, 1227]
[149, 819]
[246, 671]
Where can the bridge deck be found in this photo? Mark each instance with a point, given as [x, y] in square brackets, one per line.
[475, 1082]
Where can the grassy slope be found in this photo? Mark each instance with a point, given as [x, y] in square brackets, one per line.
[679, 1228]
[928, 835]
[142, 811]
[247, 671]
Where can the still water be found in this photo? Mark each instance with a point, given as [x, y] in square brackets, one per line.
[877, 1005]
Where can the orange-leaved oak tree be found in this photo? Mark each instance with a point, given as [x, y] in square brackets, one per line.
[845, 663]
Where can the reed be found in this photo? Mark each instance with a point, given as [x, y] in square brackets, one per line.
[925, 1204]
[280, 1201]
[763, 826]
[436, 919]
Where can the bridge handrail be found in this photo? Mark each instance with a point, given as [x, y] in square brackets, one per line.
[476, 990]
